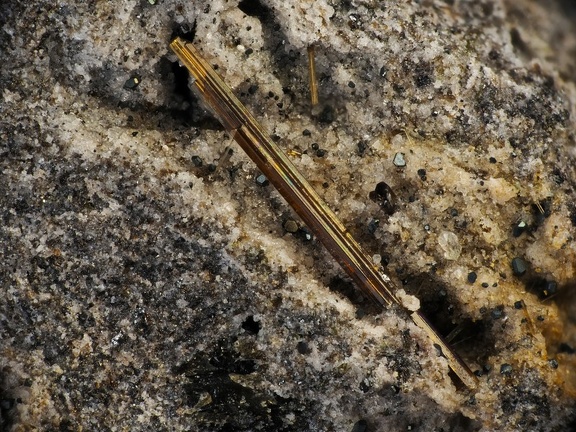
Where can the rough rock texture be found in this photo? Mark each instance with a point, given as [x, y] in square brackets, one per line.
[148, 284]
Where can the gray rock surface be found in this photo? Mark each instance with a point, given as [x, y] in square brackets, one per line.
[146, 284]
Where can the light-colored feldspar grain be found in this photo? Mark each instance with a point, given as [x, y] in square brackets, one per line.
[142, 290]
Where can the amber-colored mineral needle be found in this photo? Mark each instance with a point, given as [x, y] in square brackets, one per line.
[312, 75]
[296, 190]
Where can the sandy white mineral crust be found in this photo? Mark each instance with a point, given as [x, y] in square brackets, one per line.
[146, 286]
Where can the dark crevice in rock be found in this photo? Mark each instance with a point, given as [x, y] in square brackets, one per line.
[223, 404]
[472, 339]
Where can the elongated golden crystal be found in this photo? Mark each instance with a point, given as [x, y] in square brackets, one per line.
[312, 75]
[296, 190]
